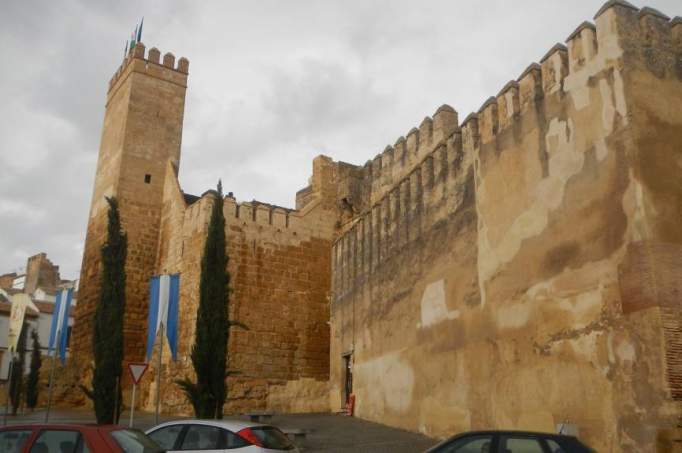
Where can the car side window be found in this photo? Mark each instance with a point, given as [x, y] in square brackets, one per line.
[234, 440]
[58, 441]
[13, 441]
[554, 447]
[82, 447]
[202, 437]
[473, 444]
[521, 445]
[166, 436]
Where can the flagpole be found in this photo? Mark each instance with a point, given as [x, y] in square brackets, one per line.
[118, 383]
[9, 384]
[158, 376]
[54, 365]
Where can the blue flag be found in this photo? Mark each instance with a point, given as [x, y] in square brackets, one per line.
[135, 37]
[164, 297]
[59, 329]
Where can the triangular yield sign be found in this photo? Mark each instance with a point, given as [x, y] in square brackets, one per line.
[137, 370]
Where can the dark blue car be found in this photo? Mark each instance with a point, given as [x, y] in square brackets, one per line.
[510, 442]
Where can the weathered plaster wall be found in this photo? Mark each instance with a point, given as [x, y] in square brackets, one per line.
[521, 275]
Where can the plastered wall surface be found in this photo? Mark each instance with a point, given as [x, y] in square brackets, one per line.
[521, 275]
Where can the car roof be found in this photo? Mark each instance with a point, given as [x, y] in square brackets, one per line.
[512, 432]
[231, 424]
[493, 432]
[71, 426]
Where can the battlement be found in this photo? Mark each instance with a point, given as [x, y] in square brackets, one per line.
[260, 213]
[398, 160]
[151, 64]
[245, 214]
[588, 49]
[425, 176]
[429, 193]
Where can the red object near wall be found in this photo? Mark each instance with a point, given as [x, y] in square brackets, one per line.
[350, 405]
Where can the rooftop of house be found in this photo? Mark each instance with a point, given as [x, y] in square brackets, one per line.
[6, 308]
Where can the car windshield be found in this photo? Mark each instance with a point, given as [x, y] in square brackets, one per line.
[272, 437]
[133, 441]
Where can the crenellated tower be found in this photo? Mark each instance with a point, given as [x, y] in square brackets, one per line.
[141, 135]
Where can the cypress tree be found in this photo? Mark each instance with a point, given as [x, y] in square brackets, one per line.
[16, 385]
[34, 373]
[108, 322]
[209, 353]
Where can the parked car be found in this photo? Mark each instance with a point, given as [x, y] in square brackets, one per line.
[43, 438]
[232, 435]
[510, 442]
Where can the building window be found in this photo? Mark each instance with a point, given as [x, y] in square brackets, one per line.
[147, 178]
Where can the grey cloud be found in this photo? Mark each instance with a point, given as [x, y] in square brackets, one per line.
[272, 84]
[322, 96]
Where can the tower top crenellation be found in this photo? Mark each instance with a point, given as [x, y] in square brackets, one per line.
[152, 62]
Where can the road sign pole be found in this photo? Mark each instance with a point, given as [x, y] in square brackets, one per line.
[158, 377]
[132, 405]
[137, 370]
[9, 383]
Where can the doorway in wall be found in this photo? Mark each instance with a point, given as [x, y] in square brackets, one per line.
[348, 376]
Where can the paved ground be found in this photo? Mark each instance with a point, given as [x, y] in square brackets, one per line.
[325, 432]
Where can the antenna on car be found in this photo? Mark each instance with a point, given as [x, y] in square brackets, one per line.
[562, 426]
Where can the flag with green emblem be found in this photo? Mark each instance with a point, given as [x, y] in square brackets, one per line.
[135, 37]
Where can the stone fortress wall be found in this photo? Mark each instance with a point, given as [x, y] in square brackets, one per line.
[141, 133]
[279, 258]
[280, 273]
[518, 270]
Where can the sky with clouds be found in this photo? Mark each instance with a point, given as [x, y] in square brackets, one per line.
[272, 84]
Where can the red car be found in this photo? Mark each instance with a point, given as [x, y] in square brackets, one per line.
[42, 438]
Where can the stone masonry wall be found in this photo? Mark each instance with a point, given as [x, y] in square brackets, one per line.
[41, 273]
[280, 259]
[280, 284]
[520, 275]
[141, 136]
[6, 280]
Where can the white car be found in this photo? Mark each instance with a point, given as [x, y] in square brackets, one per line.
[220, 436]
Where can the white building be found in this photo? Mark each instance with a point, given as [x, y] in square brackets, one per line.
[44, 281]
